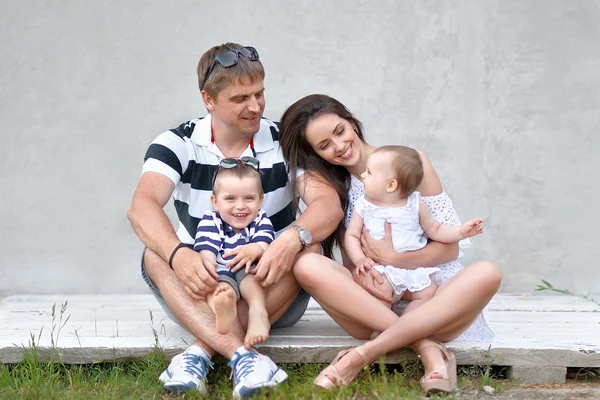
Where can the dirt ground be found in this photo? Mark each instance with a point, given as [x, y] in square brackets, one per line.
[568, 391]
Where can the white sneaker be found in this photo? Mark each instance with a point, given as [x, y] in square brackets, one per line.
[252, 372]
[187, 371]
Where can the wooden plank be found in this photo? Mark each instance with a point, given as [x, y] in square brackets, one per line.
[553, 331]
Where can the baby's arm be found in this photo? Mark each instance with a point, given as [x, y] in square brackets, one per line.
[446, 233]
[353, 247]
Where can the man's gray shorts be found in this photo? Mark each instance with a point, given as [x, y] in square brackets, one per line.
[289, 318]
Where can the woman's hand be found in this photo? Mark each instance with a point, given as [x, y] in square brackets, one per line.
[381, 251]
[371, 282]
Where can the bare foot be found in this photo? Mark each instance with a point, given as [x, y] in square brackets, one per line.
[225, 308]
[258, 328]
[433, 361]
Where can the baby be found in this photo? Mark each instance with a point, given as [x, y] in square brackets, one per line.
[237, 228]
[393, 174]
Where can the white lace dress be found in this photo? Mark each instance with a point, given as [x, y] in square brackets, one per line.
[442, 209]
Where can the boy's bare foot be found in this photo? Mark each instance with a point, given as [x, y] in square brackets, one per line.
[225, 308]
[258, 328]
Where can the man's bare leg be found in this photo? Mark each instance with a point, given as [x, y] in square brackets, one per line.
[195, 316]
[258, 319]
[223, 303]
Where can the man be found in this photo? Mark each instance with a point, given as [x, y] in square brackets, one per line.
[180, 163]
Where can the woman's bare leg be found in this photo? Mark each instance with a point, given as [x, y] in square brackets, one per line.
[427, 349]
[333, 288]
[449, 313]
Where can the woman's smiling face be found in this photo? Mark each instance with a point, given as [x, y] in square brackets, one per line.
[334, 139]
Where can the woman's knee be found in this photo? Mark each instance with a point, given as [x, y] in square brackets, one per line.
[490, 275]
[306, 269]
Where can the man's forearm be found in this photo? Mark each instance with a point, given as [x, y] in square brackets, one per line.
[435, 253]
[153, 227]
[321, 218]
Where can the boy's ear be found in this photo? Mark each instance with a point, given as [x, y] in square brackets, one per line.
[392, 185]
[260, 201]
[213, 200]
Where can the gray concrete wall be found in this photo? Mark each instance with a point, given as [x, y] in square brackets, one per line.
[502, 95]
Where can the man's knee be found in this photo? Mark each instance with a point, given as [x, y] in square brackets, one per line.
[156, 268]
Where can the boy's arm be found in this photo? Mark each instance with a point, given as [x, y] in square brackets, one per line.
[209, 257]
[244, 256]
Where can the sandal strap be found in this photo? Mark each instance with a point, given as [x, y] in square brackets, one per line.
[440, 346]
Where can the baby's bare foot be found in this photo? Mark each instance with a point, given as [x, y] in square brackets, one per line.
[225, 308]
[258, 327]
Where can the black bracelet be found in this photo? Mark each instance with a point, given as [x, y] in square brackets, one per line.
[180, 245]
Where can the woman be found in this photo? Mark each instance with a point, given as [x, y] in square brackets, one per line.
[319, 134]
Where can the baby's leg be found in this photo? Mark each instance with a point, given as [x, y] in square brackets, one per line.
[385, 288]
[223, 303]
[258, 319]
[418, 298]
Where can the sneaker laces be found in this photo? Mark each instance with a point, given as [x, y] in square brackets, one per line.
[196, 365]
[243, 365]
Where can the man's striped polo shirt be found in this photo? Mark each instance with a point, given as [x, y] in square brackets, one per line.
[188, 157]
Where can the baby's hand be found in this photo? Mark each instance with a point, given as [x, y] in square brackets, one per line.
[363, 265]
[472, 227]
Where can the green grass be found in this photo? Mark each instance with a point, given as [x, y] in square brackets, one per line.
[138, 379]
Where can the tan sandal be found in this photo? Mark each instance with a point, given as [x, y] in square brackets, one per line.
[331, 378]
[448, 383]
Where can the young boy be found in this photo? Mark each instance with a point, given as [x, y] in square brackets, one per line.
[233, 237]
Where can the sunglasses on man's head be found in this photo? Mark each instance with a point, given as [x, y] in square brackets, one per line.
[229, 58]
[228, 163]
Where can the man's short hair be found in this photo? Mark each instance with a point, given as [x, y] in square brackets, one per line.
[222, 77]
[240, 171]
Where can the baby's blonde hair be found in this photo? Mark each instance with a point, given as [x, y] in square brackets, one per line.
[407, 167]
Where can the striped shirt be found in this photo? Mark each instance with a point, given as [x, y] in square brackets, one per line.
[218, 237]
[188, 156]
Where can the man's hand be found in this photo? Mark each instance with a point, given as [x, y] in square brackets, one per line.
[472, 227]
[196, 273]
[278, 259]
[244, 256]
[381, 251]
[370, 281]
[363, 266]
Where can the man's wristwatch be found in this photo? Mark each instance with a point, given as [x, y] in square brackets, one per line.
[305, 236]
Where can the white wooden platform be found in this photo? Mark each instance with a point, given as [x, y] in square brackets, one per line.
[537, 336]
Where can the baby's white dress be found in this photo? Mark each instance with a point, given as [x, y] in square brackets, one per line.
[407, 235]
[440, 206]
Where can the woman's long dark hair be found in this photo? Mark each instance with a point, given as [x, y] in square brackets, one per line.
[299, 154]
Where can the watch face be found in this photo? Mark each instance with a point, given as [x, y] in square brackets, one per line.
[305, 237]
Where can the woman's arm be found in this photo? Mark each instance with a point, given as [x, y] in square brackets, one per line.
[435, 253]
[382, 252]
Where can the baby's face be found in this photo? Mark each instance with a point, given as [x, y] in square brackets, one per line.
[237, 200]
[378, 175]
